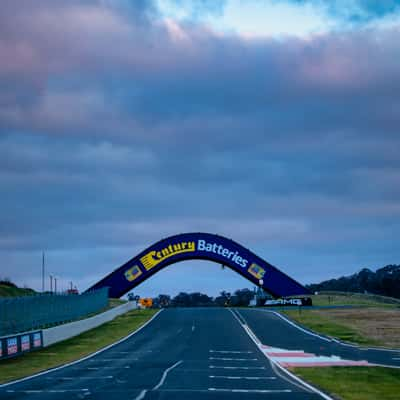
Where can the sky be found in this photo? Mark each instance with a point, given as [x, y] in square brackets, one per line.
[275, 123]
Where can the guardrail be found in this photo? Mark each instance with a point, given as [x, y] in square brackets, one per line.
[20, 314]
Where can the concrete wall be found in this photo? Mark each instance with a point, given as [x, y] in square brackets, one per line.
[66, 331]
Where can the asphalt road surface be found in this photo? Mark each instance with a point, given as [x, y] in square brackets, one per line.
[181, 354]
[274, 331]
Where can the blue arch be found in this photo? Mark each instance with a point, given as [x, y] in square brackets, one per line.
[204, 246]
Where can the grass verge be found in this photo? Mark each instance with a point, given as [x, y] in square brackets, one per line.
[322, 323]
[370, 326]
[74, 348]
[353, 300]
[354, 383]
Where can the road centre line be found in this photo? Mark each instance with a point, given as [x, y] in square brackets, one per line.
[243, 377]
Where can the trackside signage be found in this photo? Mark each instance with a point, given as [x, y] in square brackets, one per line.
[15, 345]
[199, 246]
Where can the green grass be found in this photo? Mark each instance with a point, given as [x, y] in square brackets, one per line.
[12, 291]
[353, 300]
[327, 326]
[74, 348]
[355, 383]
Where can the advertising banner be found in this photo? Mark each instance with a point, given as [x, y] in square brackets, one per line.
[37, 339]
[303, 301]
[205, 246]
[12, 346]
[25, 343]
[15, 345]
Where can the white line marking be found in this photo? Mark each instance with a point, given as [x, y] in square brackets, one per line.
[243, 377]
[396, 358]
[251, 390]
[232, 359]
[297, 326]
[164, 375]
[84, 358]
[193, 328]
[141, 395]
[276, 365]
[230, 352]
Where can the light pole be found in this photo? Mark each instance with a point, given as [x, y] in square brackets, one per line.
[43, 272]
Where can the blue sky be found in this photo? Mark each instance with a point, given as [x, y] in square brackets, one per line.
[275, 123]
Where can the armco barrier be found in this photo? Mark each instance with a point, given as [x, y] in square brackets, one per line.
[66, 331]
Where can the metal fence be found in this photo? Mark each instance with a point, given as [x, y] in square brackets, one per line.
[21, 314]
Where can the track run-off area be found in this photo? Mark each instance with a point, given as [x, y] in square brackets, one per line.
[197, 353]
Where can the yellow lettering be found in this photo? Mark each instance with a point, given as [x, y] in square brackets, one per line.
[153, 258]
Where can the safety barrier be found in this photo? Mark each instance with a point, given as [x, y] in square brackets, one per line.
[20, 314]
[15, 345]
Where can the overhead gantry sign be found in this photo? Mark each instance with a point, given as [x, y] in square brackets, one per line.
[200, 246]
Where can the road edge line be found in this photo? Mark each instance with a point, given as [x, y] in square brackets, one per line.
[326, 337]
[293, 376]
[47, 371]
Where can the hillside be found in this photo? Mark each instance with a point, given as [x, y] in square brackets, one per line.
[9, 289]
[384, 281]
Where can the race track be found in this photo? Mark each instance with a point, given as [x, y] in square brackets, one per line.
[274, 331]
[191, 354]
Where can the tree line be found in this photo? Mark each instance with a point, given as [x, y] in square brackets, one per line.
[384, 281]
[239, 298]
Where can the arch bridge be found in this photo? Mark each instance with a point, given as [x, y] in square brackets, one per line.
[200, 246]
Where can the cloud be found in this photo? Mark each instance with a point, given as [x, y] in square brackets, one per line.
[356, 11]
[118, 126]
